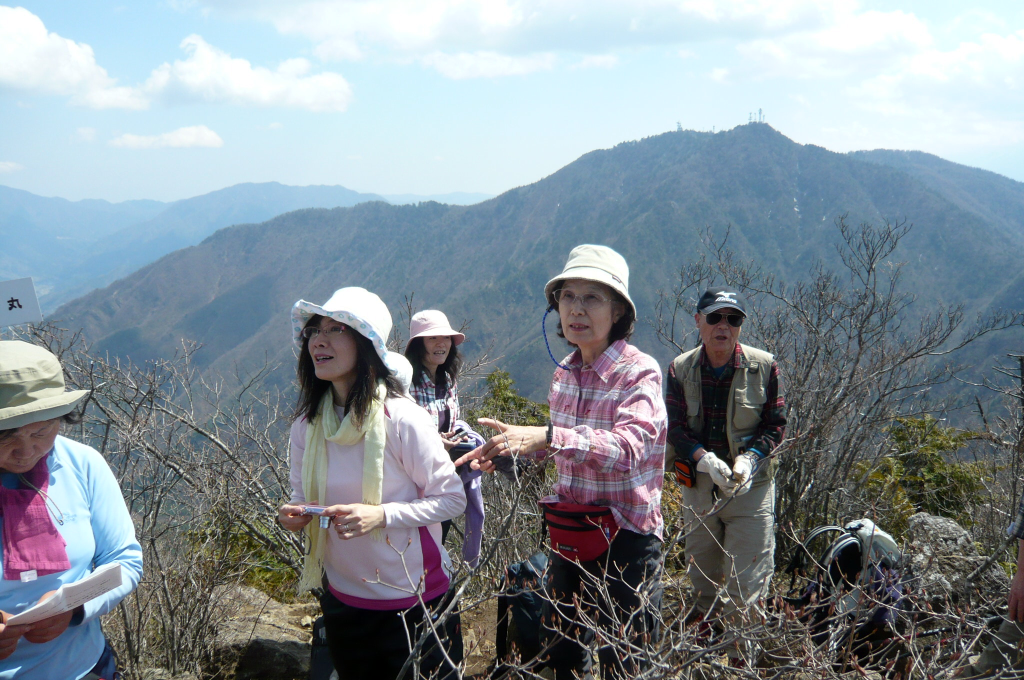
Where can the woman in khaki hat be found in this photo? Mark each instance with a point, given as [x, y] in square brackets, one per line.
[63, 517]
[372, 458]
[607, 438]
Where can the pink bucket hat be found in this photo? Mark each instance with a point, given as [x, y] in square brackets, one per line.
[432, 322]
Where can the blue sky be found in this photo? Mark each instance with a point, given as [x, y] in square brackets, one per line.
[172, 99]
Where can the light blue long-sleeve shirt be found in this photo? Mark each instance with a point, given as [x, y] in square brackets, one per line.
[98, 530]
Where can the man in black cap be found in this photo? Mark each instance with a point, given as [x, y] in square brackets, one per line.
[726, 415]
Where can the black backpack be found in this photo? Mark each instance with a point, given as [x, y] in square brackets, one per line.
[320, 665]
[519, 611]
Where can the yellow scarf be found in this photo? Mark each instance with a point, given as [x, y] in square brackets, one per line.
[324, 428]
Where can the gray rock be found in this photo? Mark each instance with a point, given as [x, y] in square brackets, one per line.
[942, 555]
[261, 639]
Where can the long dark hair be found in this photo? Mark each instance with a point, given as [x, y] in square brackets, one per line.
[621, 329]
[447, 373]
[370, 370]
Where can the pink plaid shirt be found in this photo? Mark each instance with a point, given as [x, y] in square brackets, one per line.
[609, 435]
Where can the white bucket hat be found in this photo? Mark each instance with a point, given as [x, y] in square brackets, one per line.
[432, 322]
[594, 263]
[32, 386]
[357, 308]
[402, 369]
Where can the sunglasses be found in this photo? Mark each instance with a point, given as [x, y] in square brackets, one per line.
[714, 318]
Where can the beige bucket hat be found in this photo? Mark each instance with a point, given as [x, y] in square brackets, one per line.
[594, 263]
[32, 386]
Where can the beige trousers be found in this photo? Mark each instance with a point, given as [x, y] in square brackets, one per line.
[733, 548]
[1002, 651]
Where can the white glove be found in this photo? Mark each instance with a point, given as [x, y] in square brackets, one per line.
[721, 473]
[743, 472]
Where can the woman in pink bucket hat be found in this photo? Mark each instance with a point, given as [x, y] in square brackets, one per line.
[433, 352]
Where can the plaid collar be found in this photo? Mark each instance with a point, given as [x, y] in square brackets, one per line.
[604, 365]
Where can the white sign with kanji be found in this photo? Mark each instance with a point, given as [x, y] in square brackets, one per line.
[18, 303]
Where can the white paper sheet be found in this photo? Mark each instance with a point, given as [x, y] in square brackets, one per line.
[71, 595]
[18, 303]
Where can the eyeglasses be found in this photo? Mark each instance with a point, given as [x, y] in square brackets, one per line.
[714, 318]
[310, 332]
[567, 299]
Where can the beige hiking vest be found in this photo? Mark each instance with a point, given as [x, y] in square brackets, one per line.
[747, 397]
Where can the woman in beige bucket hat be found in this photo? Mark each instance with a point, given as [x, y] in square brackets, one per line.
[607, 439]
[63, 518]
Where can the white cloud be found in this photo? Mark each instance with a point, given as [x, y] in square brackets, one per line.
[196, 136]
[85, 134]
[486, 64]
[994, 63]
[404, 29]
[275, 126]
[856, 43]
[597, 61]
[211, 75]
[35, 60]
[10, 166]
[967, 97]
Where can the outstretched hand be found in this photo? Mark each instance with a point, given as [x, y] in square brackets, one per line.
[510, 440]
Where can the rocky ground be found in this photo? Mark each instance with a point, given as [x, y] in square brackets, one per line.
[261, 639]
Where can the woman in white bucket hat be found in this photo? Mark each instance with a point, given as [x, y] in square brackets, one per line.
[63, 518]
[433, 351]
[607, 438]
[373, 458]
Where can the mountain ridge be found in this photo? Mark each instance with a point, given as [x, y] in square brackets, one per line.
[650, 199]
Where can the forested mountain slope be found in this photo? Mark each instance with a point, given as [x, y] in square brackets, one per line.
[649, 199]
[72, 247]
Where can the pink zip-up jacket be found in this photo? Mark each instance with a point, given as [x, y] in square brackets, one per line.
[421, 489]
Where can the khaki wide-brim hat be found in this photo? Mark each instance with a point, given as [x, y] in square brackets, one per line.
[32, 386]
[594, 263]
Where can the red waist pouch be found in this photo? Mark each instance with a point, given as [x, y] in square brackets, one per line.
[579, 533]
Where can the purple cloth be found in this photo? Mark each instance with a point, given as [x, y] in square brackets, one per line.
[471, 482]
[31, 541]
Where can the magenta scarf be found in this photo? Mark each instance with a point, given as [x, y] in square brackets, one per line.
[31, 541]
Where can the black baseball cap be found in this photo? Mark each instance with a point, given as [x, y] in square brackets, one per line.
[720, 297]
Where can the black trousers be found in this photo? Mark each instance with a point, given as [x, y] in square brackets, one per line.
[368, 644]
[619, 593]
